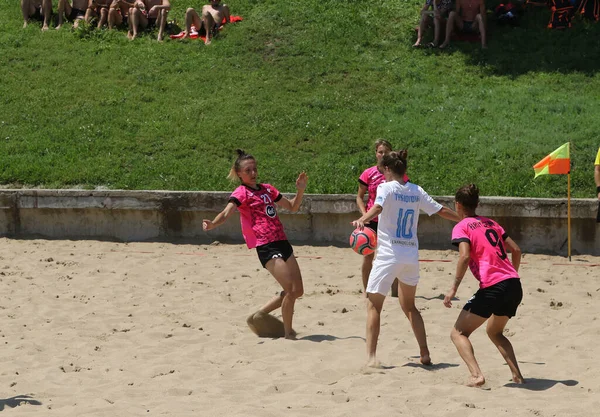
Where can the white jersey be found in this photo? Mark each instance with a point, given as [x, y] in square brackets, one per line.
[397, 231]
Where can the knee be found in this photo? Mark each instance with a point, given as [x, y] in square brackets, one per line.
[452, 15]
[294, 293]
[134, 11]
[408, 310]
[478, 19]
[455, 334]
[494, 335]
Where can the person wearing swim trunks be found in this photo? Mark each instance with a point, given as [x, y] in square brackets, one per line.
[468, 17]
[74, 12]
[118, 14]
[263, 230]
[36, 9]
[398, 204]
[147, 14]
[483, 247]
[440, 9]
[211, 20]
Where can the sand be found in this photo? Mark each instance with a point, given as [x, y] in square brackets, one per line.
[92, 328]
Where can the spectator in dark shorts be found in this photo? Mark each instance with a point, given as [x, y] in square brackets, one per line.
[468, 17]
[440, 9]
[483, 246]
[36, 9]
[74, 12]
[147, 14]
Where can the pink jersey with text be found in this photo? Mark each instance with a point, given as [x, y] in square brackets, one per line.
[371, 178]
[258, 215]
[489, 261]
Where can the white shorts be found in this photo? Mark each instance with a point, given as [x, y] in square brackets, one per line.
[383, 274]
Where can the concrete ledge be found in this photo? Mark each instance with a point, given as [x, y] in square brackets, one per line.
[538, 225]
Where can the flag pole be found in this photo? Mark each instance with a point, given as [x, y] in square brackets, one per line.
[569, 213]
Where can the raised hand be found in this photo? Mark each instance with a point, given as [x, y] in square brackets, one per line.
[301, 181]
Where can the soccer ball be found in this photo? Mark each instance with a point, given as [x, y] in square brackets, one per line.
[363, 241]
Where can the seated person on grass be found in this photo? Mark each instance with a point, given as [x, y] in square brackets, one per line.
[98, 9]
[74, 12]
[212, 17]
[37, 9]
[147, 14]
[469, 17]
[440, 10]
[118, 13]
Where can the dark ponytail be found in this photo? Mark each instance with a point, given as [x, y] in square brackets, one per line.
[395, 161]
[242, 156]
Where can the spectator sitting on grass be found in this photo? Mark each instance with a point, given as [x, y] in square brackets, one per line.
[439, 10]
[37, 9]
[98, 9]
[469, 17]
[212, 16]
[118, 13]
[147, 14]
[74, 12]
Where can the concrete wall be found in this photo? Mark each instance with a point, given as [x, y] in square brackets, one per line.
[537, 225]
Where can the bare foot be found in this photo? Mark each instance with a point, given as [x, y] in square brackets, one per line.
[291, 336]
[58, 27]
[417, 43]
[44, 28]
[372, 362]
[476, 381]
[185, 35]
[130, 35]
[444, 45]
[426, 360]
[207, 41]
[24, 25]
[518, 379]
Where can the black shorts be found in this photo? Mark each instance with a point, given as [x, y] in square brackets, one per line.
[372, 225]
[501, 299]
[151, 23]
[468, 27]
[76, 14]
[279, 249]
[37, 15]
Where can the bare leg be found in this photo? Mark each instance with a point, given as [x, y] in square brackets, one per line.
[365, 269]
[422, 28]
[27, 10]
[191, 17]
[103, 17]
[114, 18]
[495, 329]
[161, 23]
[453, 19]
[395, 288]
[47, 11]
[437, 23]
[89, 15]
[374, 306]
[287, 273]
[209, 24]
[64, 9]
[130, 24]
[480, 26]
[466, 324]
[406, 297]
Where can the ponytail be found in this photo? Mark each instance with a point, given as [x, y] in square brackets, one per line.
[242, 156]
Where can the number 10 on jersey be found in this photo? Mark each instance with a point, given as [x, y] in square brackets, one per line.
[405, 223]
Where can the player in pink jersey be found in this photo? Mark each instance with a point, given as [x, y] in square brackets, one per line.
[263, 230]
[483, 246]
[368, 182]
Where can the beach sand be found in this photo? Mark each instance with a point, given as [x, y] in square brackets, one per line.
[95, 328]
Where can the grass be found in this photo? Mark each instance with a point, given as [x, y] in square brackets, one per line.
[302, 85]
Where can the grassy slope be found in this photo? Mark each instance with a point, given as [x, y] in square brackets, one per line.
[302, 85]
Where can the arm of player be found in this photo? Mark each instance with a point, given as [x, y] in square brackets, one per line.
[515, 252]
[294, 204]
[448, 214]
[368, 216]
[360, 198]
[464, 256]
[597, 178]
[220, 218]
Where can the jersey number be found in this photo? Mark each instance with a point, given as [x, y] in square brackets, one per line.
[496, 242]
[405, 223]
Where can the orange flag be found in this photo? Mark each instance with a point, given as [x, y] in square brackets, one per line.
[558, 162]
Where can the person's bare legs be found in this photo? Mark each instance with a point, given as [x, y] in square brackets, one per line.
[103, 17]
[495, 329]
[467, 323]
[374, 306]
[365, 270]
[64, 9]
[114, 18]
[89, 15]
[287, 273]
[161, 22]
[191, 18]
[209, 24]
[406, 296]
[27, 10]
[479, 26]
[47, 11]
[137, 21]
[437, 23]
[453, 20]
[422, 28]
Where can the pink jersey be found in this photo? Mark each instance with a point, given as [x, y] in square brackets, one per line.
[371, 178]
[258, 215]
[489, 261]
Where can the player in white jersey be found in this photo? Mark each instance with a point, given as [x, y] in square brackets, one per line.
[398, 204]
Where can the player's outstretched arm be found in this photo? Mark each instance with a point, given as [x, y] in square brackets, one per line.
[464, 256]
[448, 214]
[515, 252]
[368, 216]
[220, 218]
